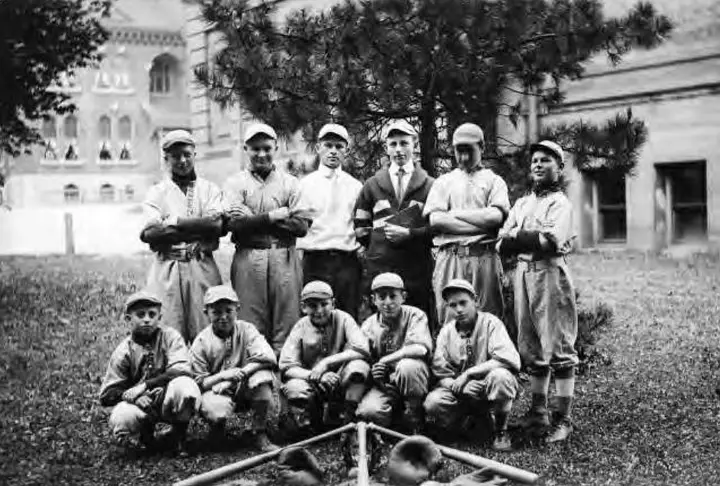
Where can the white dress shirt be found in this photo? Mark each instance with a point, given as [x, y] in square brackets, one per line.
[409, 168]
[331, 195]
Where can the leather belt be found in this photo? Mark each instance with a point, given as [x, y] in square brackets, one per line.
[330, 252]
[473, 249]
[183, 255]
[266, 245]
[541, 263]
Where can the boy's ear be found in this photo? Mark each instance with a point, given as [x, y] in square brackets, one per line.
[205, 310]
[127, 317]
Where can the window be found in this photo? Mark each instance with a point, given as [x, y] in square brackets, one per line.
[71, 193]
[105, 152]
[49, 128]
[70, 127]
[612, 211]
[107, 193]
[161, 75]
[125, 128]
[129, 193]
[685, 188]
[105, 127]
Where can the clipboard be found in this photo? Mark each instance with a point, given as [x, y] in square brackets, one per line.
[410, 217]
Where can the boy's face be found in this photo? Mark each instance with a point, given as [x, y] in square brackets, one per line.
[400, 148]
[181, 158]
[261, 150]
[332, 151]
[463, 305]
[468, 156]
[389, 301]
[544, 168]
[222, 316]
[143, 315]
[318, 310]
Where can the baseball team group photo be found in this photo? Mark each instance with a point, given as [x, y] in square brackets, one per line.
[418, 255]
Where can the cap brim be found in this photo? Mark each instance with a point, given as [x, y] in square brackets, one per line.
[316, 296]
[545, 148]
[336, 134]
[183, 141]
[452, 288]
[220, 299]
[465, 141]
[144, 300]
[387, 287]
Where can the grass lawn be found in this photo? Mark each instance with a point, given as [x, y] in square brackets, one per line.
[651, 417]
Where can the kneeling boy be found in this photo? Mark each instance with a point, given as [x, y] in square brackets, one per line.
[148, 379]
[401, 346]
[475, 361]
[323, 360]
[233, 364]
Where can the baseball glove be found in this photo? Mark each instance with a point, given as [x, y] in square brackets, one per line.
[413, 461]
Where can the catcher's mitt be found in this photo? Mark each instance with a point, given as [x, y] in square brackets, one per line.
[298, 467]
[413, 460]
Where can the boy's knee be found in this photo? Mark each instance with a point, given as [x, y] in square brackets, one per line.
[216, 408]
[126, 419]
[501, 384]
[262, 394]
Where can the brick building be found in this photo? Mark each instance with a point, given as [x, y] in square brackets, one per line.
[108, 150]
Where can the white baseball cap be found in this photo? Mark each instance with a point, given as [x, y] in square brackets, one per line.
[317, 289]
[334, 129]
[468, 134]
[402, 126]
[259, 129]
[552, 147]
[177, 136]
[218, 293]
[387, 280]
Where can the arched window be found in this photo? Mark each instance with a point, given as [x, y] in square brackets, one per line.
[107, 193]
[162, 74]
[71, 193]
[49, 128]
[105, 127]
[125, 128]
[70, 127]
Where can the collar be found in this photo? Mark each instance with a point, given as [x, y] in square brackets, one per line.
[257, 175]
[185, 180]
[544, 189]
[466, 333]
[409, 168]
[326, 171]
[224, 338]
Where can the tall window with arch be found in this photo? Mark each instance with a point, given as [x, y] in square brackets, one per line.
[105, 134]
[162, 74]
[71, 193]
[107, 193]
[70, 134]
[49, 134]
[125, 130]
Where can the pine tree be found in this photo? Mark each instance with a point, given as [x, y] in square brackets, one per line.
[437, 63]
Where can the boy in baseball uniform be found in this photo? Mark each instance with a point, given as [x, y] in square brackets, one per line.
[149, 380]
[475, 362]
[324, 360]
[233, 365]
[539, 231]
[183, 224]
[400, 349]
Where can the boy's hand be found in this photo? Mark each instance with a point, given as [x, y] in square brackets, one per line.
[379, 371]
[132, 394]
[329, 381]
[318, 370]
[459, 383]
[222, 387]
[144, 403]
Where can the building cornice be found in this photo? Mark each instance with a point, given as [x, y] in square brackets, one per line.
[135, 35]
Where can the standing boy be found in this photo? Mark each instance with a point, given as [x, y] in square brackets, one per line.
[330, 248]
[323, 360]
[183, 224]
[399, 248]
[539, 232]
[400, 349]
[148, 379]
[261, 207]
[466, 208]
[233, 365]
[475, 362]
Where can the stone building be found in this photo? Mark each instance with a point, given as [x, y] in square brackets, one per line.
[674, 197]
[108, 149]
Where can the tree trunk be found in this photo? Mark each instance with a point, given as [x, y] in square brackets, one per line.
[428, 137]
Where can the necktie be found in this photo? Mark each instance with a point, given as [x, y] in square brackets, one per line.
[400, 188]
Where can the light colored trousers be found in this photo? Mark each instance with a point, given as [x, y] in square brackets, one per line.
[442, 406]
[411, 379]
[546, 313]
[299, 391]
[182, 286]
[182, 399]
[483, 271]
[268, 283]
[257, 396]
